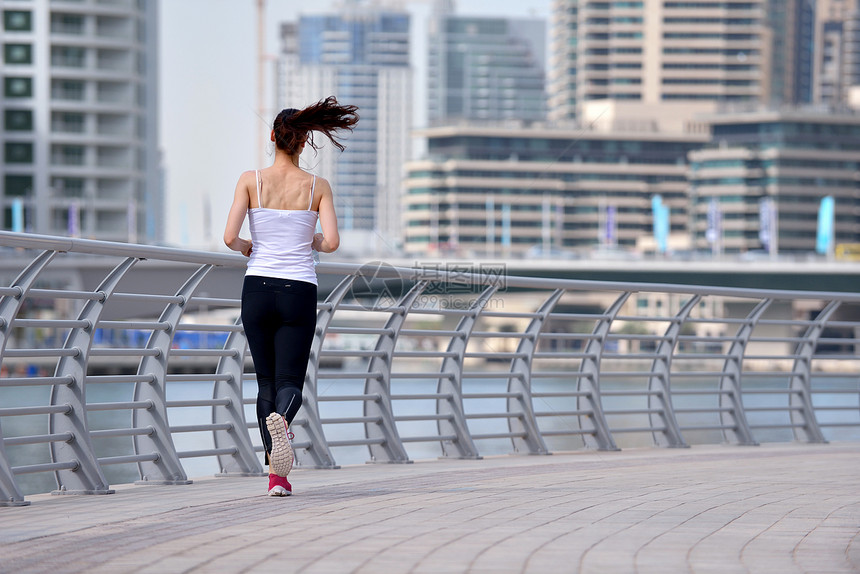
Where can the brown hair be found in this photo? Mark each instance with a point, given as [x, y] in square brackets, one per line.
[293, 127]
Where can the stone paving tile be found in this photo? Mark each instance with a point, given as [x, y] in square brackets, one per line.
[770, 509]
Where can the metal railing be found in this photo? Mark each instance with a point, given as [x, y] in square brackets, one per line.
[128, 381]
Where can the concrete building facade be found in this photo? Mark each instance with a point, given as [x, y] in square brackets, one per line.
[507, 190]
[654, 52]
[654, 64]
[80, 119]
[792, 158]
[837, 51]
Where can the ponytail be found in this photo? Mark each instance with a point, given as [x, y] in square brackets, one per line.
[294, 127]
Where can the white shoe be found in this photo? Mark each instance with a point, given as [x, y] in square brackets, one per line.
[281, 457]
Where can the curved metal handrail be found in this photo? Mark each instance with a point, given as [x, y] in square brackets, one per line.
[592, 347]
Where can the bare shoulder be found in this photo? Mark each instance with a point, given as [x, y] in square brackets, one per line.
[247, 180]
[322, 186]
[322, 190]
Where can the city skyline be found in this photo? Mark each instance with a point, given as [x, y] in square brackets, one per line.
[208, 117]
[208, 89]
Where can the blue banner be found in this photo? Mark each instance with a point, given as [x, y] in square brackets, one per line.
[506, 225]
[661, 223]
[18, 215]
[824, 239]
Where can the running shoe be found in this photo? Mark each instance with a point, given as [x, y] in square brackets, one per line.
[281, 457]
[279, 486]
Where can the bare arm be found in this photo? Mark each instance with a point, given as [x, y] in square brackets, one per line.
[237, 215]
[329, 239]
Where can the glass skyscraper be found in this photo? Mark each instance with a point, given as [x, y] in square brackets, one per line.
[486, 68]
[361, 56]
[793, 25]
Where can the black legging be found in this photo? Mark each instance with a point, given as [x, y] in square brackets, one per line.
[279, 317]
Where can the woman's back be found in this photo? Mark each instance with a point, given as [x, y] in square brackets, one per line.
[282, 224]
[287, 189]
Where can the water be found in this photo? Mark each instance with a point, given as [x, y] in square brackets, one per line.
[207, 466]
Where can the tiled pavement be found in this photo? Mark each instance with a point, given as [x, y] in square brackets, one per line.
[708, 509]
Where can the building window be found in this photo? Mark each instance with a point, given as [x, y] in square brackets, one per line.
[18, 120]
[68, 155]
[18, 152]
[68, 186]
[67, 24]
[18, 53]
[17, 185]
[67, 90]
[67, 122]
[113, 92]
[114, 27]
[17, 20]
[109, 59]
[18, 87]
[7, 218]
[68, 57]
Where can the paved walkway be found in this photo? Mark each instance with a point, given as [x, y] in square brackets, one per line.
[721, 509]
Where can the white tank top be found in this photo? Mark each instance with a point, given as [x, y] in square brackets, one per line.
[282, 239]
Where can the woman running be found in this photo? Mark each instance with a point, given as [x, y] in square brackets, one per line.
[279, 295]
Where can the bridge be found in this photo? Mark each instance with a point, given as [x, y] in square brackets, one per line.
[691, 428]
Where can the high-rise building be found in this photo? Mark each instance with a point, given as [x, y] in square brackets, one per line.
[659, 63]
[837, 51]
[563, 61]
[80, 130]
[486, 68]
[792, 25]
[851, 47]
[361, 56]
[790, 160]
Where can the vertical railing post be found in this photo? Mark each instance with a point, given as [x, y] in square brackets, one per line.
[732, 413]
[10, 305]
[166, 468]
[451, 385]
[391, 449]
[87, 477]
[245, 461]
[589, 380]
[532, 442]
[10, 495]
[660, 382]
[309, 431]
[804, 421]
